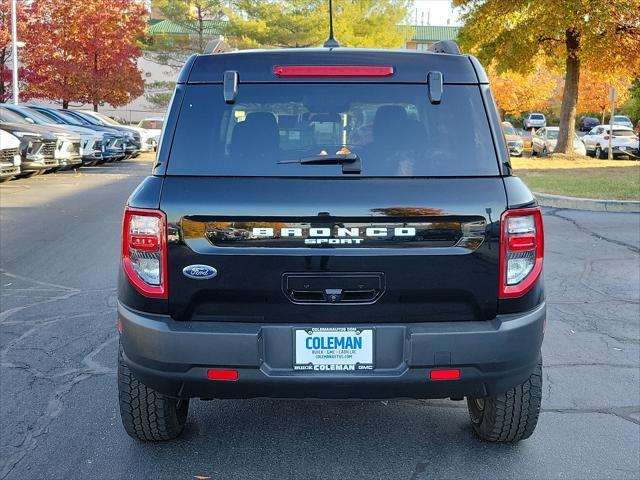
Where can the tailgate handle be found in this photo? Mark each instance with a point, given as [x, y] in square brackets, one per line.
[338, 288]
[332, 295]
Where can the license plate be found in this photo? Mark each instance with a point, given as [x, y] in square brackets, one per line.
[347, 349]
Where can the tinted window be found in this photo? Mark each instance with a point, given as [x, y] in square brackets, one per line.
[393, 128]
[552, 134]
[623, 133]
[537, 117]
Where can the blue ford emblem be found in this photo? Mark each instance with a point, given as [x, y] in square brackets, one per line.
[199, 272]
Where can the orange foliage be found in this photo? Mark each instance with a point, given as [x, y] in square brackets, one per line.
[516, 93]
[593, 91]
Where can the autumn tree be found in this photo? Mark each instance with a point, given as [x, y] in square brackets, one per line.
[516, 92]
[305, 23]
[601, 35]
[5, 44]
[112, 52]
[84, 51]
[593, 91]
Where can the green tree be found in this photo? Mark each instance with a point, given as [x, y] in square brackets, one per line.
[159, 93]
[632, 106]
[305, 23]
[199, 20]
[601, 35]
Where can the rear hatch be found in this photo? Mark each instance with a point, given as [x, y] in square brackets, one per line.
[333, 202]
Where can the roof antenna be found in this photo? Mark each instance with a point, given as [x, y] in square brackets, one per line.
[331, 42]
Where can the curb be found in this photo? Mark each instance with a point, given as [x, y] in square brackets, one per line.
[575, 203]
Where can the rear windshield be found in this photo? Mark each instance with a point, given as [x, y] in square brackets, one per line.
[623, 133]
[537, 117]
[394, 130]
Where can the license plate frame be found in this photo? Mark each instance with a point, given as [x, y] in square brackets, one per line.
[334, 356]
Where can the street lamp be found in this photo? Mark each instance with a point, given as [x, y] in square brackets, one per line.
[14, 51]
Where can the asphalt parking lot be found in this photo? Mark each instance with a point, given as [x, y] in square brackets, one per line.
[59, 235]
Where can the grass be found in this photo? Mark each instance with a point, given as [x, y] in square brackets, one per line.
[578, 176]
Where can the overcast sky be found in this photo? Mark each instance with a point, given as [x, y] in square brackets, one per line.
[434, 12]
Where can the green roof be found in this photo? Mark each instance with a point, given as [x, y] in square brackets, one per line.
[211, 27]
[432, 33]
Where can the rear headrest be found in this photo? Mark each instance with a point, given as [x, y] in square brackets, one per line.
[388, 121]
[257, 135]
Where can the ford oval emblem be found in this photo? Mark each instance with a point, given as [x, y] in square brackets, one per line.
[199, 272]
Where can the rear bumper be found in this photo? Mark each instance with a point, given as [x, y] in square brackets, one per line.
[173, 357]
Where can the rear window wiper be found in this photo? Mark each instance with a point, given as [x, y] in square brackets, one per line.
[350, 162]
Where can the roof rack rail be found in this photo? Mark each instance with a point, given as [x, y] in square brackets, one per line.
[445, 46]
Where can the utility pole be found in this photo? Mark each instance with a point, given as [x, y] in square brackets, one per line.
[14, 51]
[612, 97]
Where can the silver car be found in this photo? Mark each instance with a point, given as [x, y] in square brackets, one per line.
[534, 120]
[545, 140]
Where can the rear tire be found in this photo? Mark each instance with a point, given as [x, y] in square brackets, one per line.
[509, 417]
[599, 153]
[146, 414]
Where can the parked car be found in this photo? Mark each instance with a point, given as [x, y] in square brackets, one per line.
[10, 157]
[153, 126]
[534, 120]
[637, 129]
[514, 140]
[90, 146]
[544, 142]
[69, 147]
[146, 141]
[112, 141]
[131, 140]
[622, 120]
[623, 141]
[37, 145]
[587, 123]
[408, 265]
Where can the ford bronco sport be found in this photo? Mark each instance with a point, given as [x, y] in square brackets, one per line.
[332, 223]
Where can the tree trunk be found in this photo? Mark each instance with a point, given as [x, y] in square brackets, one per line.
[65, 104]
[200, 31]
[570, 96]
[95, 107]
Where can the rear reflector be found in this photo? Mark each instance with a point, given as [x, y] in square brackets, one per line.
[336, 71]
[451, 374]
[221, 374]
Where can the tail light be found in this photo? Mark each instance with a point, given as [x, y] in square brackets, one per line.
[333, 71]
[606, 137]
[144, 251]
[521, 251]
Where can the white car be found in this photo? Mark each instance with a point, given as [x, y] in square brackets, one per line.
[534, 120]
[154, 127]
[10, 158]
[623, 142]
[545, 140]
[144, 134]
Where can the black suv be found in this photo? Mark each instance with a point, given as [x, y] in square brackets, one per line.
[351, 229]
